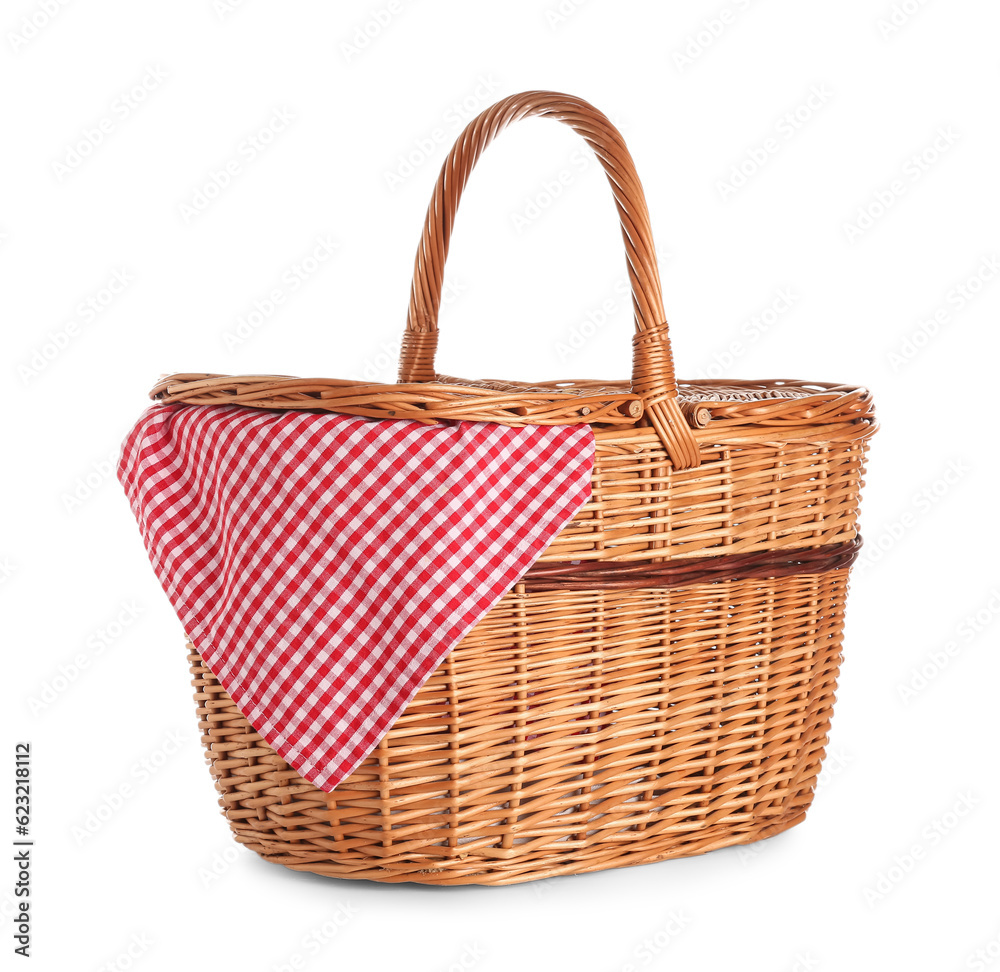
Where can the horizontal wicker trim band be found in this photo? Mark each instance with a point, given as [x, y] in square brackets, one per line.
[589, 576]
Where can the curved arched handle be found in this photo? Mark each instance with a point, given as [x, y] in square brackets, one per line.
[652, 364]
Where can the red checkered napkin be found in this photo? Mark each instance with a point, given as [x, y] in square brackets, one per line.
[323, 565]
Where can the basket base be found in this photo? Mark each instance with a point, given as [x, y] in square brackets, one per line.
[498, 873]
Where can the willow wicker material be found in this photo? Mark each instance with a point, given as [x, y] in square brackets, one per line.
[660, 683]
[568, 732]
[775, 472]
[580, 575]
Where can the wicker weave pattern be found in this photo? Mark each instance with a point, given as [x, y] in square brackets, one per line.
[745, 496]
[568, 732]
[781, 466]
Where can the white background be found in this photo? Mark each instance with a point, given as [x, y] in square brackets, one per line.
[73, 215]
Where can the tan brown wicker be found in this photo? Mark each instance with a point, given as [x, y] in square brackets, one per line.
[660, 683]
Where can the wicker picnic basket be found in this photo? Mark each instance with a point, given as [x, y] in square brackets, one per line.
[660, 683]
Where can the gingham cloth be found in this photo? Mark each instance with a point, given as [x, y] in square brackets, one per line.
[323, 565]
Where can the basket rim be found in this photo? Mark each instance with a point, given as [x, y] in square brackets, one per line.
[560, 402]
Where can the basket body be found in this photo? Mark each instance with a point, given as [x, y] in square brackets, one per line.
[579, 729]
[660, 682]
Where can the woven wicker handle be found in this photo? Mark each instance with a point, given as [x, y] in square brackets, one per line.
[652, 364]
